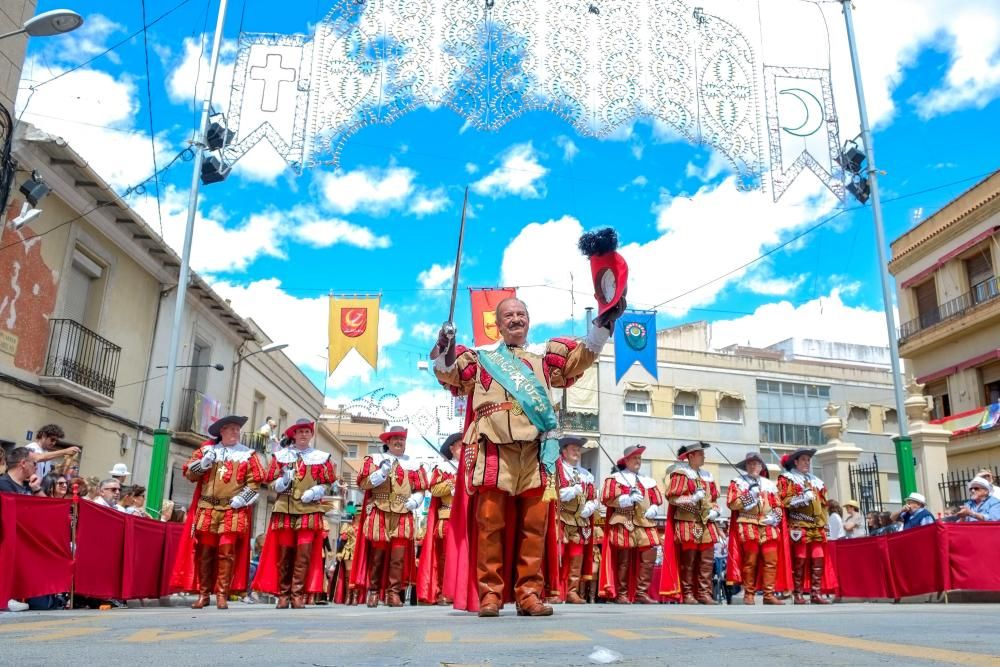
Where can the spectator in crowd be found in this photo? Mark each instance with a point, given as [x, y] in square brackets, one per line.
[986, 474]
[82, 487]
[166, 510]
[21, 476]
[980, 506]
[178, 515]
[135, 501]
[914, 512]
[853, 521]
[93, 488]
[871, 523]
[119, 471]
[3, 460]
[55, 486]
[43, 448]
[835, 522]
[889, 526]
[110, 492]
[721, 556]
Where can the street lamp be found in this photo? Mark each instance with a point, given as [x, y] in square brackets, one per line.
[267, 349]
[46, 24]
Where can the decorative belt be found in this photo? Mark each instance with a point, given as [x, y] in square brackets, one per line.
[216, 500]
[487, 409]
[804, 518]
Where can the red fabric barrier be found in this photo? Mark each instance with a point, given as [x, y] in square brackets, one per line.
[972, 556]
[143, 556]
[100, 551]
[917, 557]
[34, 547]
[171, 542]
[863, 567]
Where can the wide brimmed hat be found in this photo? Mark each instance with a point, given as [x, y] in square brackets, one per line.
[608, 269]
[568, 440]
[394, 432]
[300, 423]
[699, 446]
[119, 470]
[917, 498]
[216, 427]
[853, 503]
[788, 460]
[445, 450]
[754, 456]
[632, 450]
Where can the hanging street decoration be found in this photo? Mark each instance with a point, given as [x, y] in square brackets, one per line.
[635, 341]
[353, 326]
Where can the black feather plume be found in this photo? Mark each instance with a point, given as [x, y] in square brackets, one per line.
[599, 242]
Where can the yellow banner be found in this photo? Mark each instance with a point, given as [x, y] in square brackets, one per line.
[353, 325]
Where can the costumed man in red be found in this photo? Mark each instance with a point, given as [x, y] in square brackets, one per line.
[291, 564]
[340, 580]
[430, 574]
[630, 533]
[394, 486]
[511, 445]
[228, 475]
[755, 531]
[804, 498]
[577, 503]
[692, 494]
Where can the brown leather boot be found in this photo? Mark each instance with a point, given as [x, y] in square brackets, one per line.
[530, 585]
[204, 555]
[442, 600]
[705, 567]
[770, 574]
[375, 575]
[815, 591]
[624, 557]
[224, 578]
[490, 508]
[394, 587]
[689, 560]
[573, 580]
[300, 570]
[644, 580]
[286, 557]
[749, 573]
[798, 574]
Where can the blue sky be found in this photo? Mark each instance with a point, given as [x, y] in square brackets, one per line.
[386, 219]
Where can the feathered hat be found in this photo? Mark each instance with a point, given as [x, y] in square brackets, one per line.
[607, 267]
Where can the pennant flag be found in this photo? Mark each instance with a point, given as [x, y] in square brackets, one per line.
[353, 326]
[484, 306]
[635, 340]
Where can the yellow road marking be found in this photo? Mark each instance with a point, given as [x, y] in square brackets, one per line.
[434, 636]
[40, 625]
[65, 633]
[353, 638]
[840, 641]
[150, 635]
[659, 633]
[546, 636]
[247, 636]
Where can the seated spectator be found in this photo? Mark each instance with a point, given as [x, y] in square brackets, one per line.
[109, 493]
[135, 502]
[20, 476]
[980, 506]
[853, 521]
[835, 523]
[914, 512]
[871, 523]
[55, 486]
[43, 448]
[119, 471]
[886, 526]
[986, 474]
[93, 488]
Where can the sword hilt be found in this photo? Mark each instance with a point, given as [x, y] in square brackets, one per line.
[448, 328]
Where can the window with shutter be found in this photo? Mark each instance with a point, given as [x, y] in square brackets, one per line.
[979, 269]
[927, 304]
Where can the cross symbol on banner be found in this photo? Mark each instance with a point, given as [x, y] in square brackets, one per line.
[273, 75]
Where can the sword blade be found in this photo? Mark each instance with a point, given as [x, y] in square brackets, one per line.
[458, 259]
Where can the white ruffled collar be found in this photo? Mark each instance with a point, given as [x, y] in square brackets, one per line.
[310, 456]
[689, 472]
[238, 452]
[405, 462]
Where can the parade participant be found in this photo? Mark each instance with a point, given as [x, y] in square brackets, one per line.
[591, 582]
[343, 592]
[215, 549]
[692, 494]
[755, 546]
[430, 574]
[394, 486]
[577, 503]
[803, 496]
[630, 534]
[291, 565]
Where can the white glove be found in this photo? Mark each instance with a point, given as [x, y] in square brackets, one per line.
[713, 515]
[411, 504]
[376, 478]
[755, 491]
[625, 501]
[283, 482]
[809, 495]
[588, 509]
[314, 494]
[237, 502]
[385, 466]
[770, 520]
[652, 512]
[568, 493]
[698, 495]
[452, 489]
[208, 459]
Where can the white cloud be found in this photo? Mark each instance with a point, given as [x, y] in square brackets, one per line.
[425, 331]
[639, 181]
[570, 150]
[321, 232]
[87, 41]
[520, 173]
[368, 190]
[717, 164]
[436, 276]
[428, 203]
[471, 167]
[637, 149]
[772, 286]
[824, 318]
[188, 78]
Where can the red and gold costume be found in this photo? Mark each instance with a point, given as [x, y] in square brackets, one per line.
[691, 526]
[340, 581]
[577, 503]
[430, 574]
[502, 472]
[214, 553]
[803, 496]
[394, 488]
[756, 554]
[291, 564]
[630, 537]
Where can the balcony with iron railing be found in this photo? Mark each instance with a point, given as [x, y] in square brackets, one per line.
[257, 442]
[81, 364]
[579, 421]
[196, 413]
[982, 293]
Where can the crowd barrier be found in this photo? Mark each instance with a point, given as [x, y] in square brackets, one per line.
[117, 555]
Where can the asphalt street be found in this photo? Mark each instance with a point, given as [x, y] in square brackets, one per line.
[844, 634]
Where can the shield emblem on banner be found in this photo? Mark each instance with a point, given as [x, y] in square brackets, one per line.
[635, 336]
[353, 321]
[490, 325]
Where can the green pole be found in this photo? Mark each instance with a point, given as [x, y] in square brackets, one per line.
[904, 463]
[157, 472]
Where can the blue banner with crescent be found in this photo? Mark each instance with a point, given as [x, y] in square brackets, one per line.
[635, 340]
